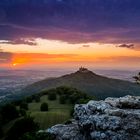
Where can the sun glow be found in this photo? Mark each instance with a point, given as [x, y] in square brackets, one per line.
[14, 64]
[54, 53]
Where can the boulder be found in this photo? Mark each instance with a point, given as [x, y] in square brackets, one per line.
[111, 119]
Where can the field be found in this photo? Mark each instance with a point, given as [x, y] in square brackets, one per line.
[58, 113]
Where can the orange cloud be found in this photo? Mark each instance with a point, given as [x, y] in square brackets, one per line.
[34, 58]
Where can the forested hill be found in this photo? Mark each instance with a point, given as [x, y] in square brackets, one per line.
[88, 82]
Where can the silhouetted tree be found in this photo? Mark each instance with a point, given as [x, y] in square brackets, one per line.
[62, 99]
[29, 99]
[21, 127]
[137, 78]
[9, 112]
[22, 112]
[24, 105]
[37, 99]
[52, 94]
[1, 132]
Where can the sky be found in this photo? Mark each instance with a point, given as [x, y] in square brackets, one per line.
[41, 34]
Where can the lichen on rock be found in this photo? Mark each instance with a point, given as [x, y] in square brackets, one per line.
[111, 119]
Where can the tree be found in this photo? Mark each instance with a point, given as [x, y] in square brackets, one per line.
[9, 112]
[52, 95]
[29, 99]
[38, 136]
[1, 132]
[62, 99]
[24, 105]
[22, 112]
[137, 78]
[72, 111]
[21, 127]
[45, 136]
[29, 136]
[44, 107]
[37, 99]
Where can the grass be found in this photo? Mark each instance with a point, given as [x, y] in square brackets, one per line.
[58, 113]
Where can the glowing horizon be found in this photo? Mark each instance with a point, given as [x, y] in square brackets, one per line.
[50, 52]
[63, 33]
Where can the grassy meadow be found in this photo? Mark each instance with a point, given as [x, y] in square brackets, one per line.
[59, 103]
[57, 113]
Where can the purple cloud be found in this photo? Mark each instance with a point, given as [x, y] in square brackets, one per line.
[129, 46]
[30, 42]
[72, 21]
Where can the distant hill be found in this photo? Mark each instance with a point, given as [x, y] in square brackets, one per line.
[89, 82]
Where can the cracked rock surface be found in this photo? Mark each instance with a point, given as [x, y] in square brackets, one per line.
[111, 119]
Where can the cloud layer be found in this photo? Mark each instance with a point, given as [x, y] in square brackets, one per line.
[5, 57]
[73, 21]
[23, 58]
[129, 46]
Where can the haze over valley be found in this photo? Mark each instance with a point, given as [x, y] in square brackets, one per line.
[12, 81]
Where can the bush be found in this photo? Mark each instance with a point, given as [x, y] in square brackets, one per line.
[24, 105]
[62, 90]
[22, 112]
[29, 99]
[45, 136]
[52, 95]
[29, 136]
[73, 98]
[72, 111]
[37, 99]
[62, 99]
[1, 132]
[9, 112]
[44, 107]
[17, 102]
[21, 127]
[38, 136]
[83, 101]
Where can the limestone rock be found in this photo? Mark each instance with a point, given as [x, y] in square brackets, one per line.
[112, 119]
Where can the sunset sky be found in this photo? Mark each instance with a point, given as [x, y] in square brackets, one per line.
[69, 33]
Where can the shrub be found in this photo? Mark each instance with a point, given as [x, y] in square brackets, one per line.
[17, 102]
[52, 95]
[45, 136]
[1, 132]
[62, 99]
[38, 136]
[24, 105]
[29, 99]
[44, 107]
[73, 98]
[83, 101]
[22, 112]
[37, 99]
[137, 78]
[9, 112]
[72, 111]
[21, 127]
[29, 136]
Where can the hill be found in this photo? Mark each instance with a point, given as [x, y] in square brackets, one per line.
[89, 82]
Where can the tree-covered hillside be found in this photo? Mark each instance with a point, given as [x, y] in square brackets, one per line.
[88, 82]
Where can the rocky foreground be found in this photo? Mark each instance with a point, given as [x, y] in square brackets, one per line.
[111, 119]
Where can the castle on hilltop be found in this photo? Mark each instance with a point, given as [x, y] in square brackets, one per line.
[83, 70]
